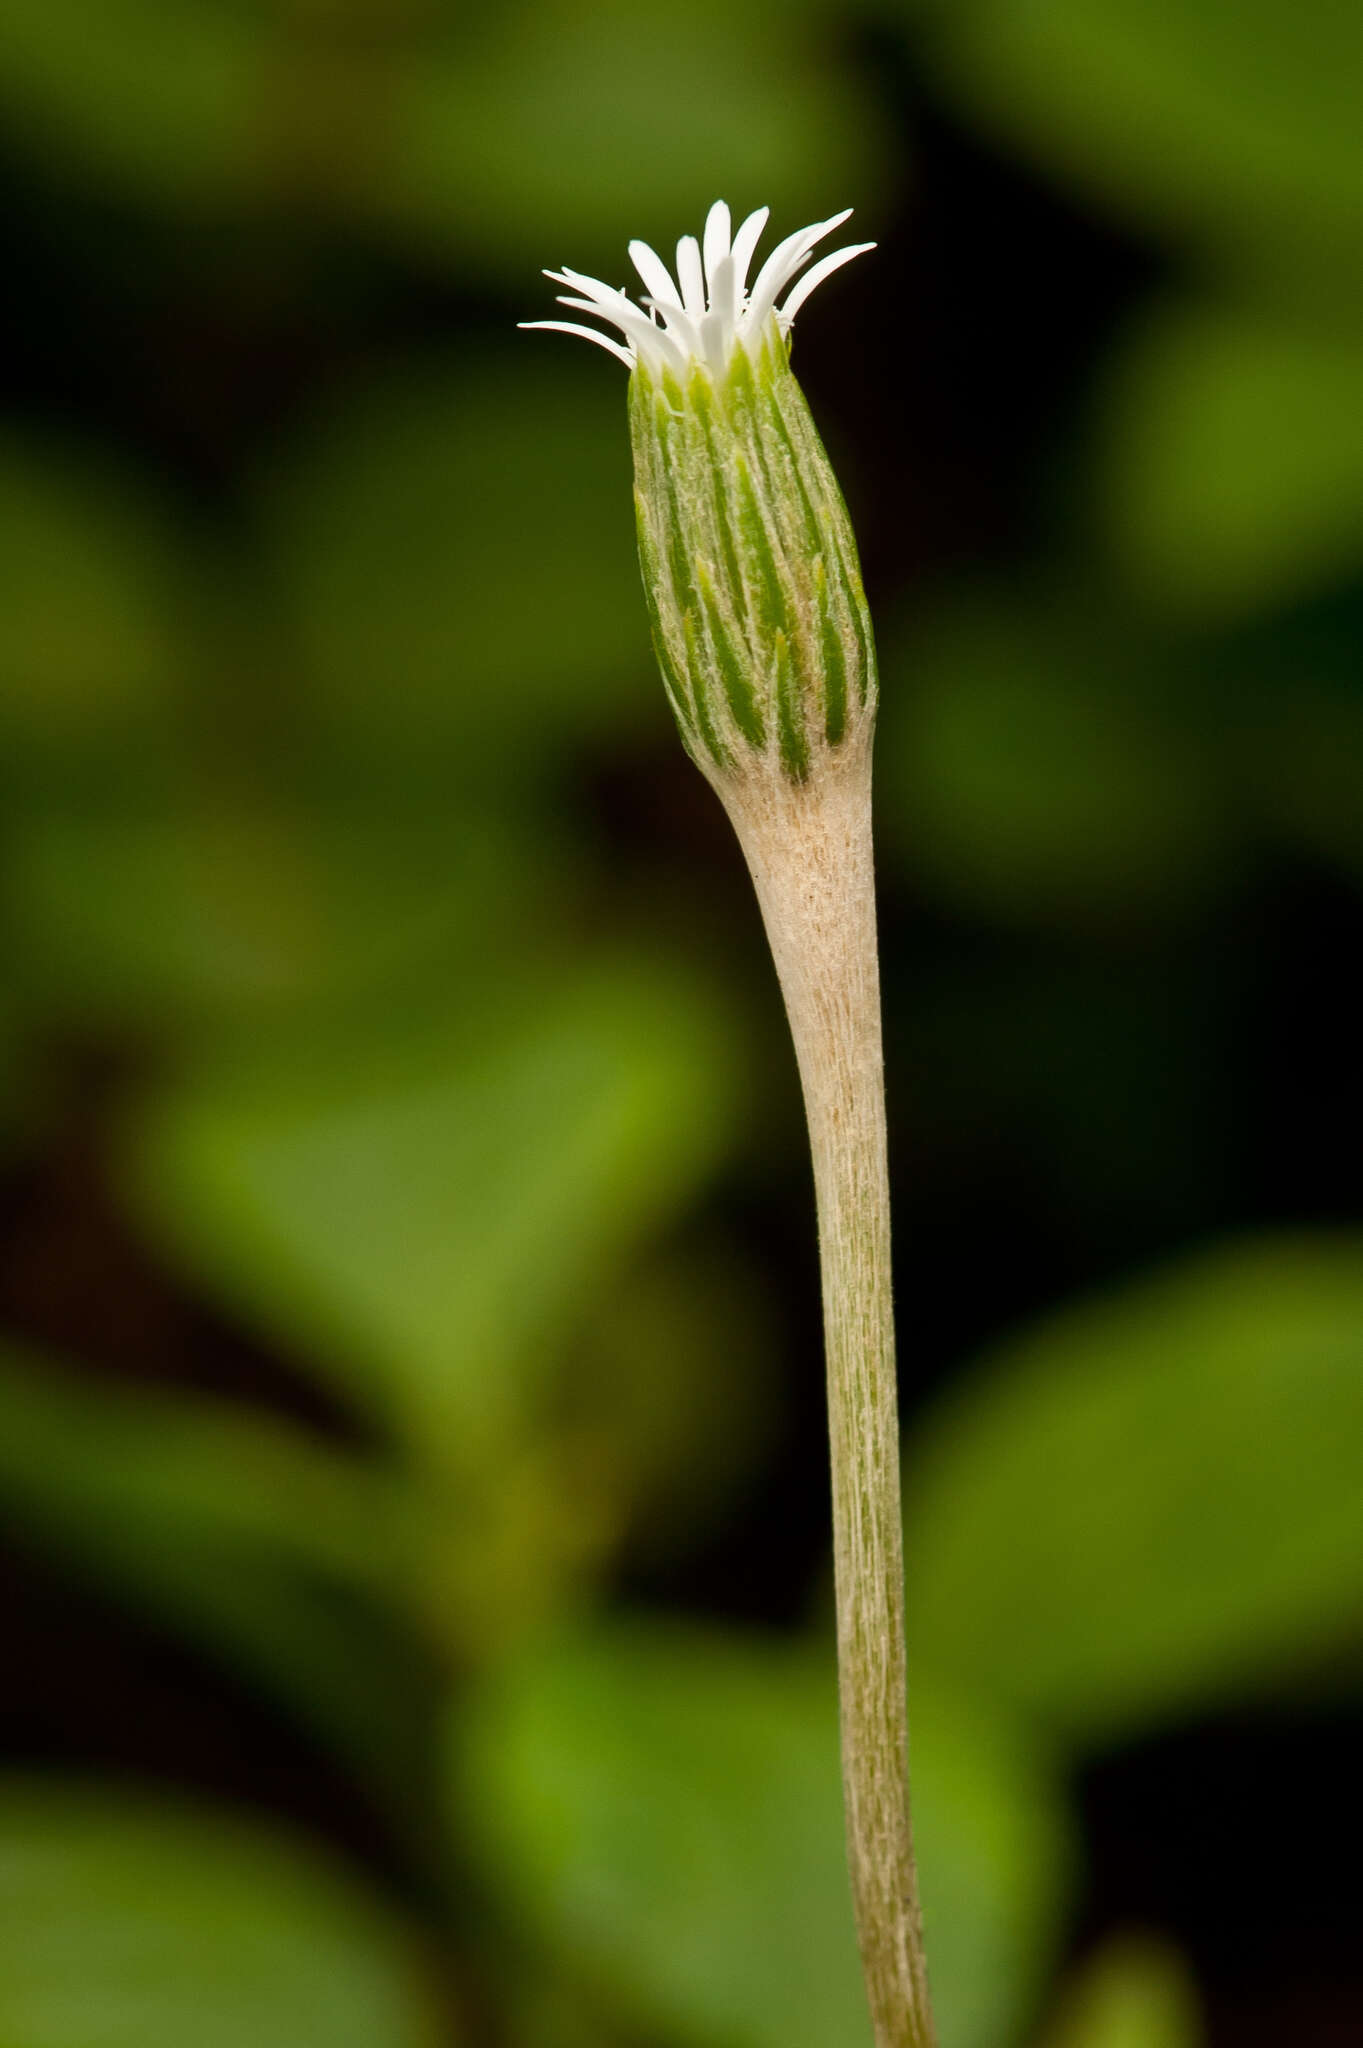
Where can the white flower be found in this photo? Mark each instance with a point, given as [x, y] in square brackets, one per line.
[703, 316]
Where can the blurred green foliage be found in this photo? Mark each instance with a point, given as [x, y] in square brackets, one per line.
[90, 636]
[476, 134]
[190, 1927]
[1133, 1994]
[1180, 1560]
[412, 642]
[661, 1805]
[424, 1216]
[342, 844]
[1234, 459]
[1230, 126]
[1031, 728]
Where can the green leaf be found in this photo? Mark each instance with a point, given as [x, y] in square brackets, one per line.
[1150, 1503]
[421, 1217]
[1135, 1993]
[1237, 125]
[1231, 466]
[663, 1806]
[130, 1924]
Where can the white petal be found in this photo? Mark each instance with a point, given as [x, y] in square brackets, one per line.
[655, 274]
[714, 342]
[812, 279]
[782, 264]
[604, 295]
[618, 316]
[686, 330]
[717, 228]
[690, 276]
[745, 242]
[723, 300]
[696, 316]
[780, 267]
[656, 343]
[576, 278]
[617, 348]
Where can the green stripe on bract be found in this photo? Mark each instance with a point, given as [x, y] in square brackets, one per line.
[861, 626]
[790, 714]
[829, 510]
[672, 684]
[834, 662]
[651, 572]
[655, 435]
[733, 664]
[798, 456]
[665, 480]
[764, 580]
[845, 614]
[703, 399]
[714, 745]
[754, 590]
[740, 389]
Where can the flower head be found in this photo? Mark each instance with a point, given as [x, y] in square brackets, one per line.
[749, 564]
[708, 309]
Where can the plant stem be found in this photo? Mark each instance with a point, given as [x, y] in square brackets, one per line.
[808, 846]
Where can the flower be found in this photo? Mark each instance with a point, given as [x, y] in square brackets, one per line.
[703, 316]
[749, 564]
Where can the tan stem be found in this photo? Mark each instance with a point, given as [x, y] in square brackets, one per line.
[808, 846]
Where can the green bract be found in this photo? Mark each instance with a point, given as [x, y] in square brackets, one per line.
[749, 563]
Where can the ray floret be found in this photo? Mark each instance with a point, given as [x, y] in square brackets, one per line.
[702, 311]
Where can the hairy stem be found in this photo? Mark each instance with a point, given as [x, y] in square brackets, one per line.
[808, 846]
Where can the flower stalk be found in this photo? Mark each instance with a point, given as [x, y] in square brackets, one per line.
[808, 848]
[762, 634]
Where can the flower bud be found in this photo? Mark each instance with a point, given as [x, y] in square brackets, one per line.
[749, 564]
